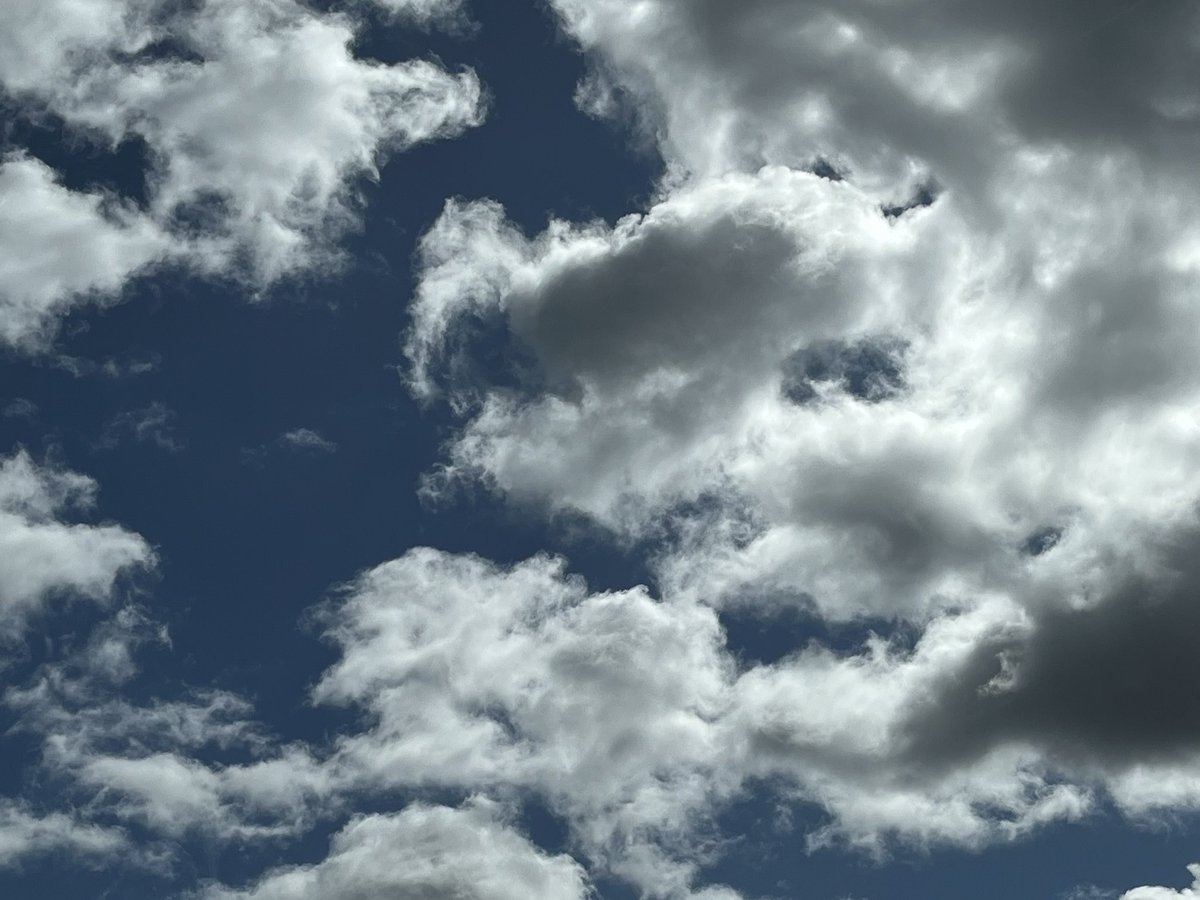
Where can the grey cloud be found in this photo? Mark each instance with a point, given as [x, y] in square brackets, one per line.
[1111, 683]
[871, 370]
[1115, 75]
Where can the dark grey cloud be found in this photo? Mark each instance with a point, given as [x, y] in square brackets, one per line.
[1113, 683]
[871, 370]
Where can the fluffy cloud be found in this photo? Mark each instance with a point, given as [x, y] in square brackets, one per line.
[426, 851]
[698, 355]
[484, 678]
[42, 556]
[1162, 893]
[258, 121]
[907, 334]
[59, 248]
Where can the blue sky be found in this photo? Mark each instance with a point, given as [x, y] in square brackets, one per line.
[583, 448]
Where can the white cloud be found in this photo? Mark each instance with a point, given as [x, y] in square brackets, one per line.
[892, 93]
[43, 556]
[60, 248]
[1162, 893]
[25, 836]
[484, 678]
[258, 136]
[140, 762]
[426, 852]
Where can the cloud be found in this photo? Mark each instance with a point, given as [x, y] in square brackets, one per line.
[445, 14]
[307, 439]
[259, 125]
[904, 339]
[60, 248]
[193, 765]
[25, 836]
[43, 557]
[19, 408]
[1162, 893]
[890, 96]
[484, 678]
[426, 851]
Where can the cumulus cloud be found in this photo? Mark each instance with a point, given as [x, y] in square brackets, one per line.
[485, 678]
[42, 555]
[165, 765]
[907, 334]
[1162, 893]
[259, 124]
[426, 851]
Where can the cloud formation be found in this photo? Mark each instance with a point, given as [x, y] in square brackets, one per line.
[426, 851]
[61, 247]
[43, 555]
[257, 122]
[906, 337]
[1162, 893]
[904, 340]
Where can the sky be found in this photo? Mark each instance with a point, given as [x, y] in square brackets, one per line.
[599, 449]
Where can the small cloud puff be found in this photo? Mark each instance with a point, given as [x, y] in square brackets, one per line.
[307, 439]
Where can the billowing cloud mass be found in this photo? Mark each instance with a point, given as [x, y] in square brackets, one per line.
[257, 124]
[903, 345]
[906, 337]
